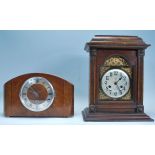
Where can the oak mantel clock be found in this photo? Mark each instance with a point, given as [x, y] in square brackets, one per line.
[38, 94]
[116, 79]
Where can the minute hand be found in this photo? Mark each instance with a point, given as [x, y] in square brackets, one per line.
[118, 80]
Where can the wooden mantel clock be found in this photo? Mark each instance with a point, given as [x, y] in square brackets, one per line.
[40, 95]
[116, 79]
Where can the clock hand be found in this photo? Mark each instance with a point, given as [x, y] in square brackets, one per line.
[115, 83]
[119, 89]
[118, 80]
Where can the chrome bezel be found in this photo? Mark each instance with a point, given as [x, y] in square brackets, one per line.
[36, 107]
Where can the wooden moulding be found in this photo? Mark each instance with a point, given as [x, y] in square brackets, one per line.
[114, 117]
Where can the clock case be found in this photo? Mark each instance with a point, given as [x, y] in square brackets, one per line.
[131, 49]
[62, 106]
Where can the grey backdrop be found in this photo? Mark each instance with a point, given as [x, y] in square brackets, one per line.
[62, 53]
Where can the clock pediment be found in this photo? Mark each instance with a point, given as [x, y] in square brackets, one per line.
[117, 42]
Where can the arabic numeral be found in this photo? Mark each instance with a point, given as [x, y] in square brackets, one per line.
[107, 77]
[106, 88]
[115, 93]
[105, 82]
[124, 77]
[115, 72]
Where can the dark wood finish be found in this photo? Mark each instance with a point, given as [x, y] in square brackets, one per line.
[63, 105]
[130, 48]
[112, 117]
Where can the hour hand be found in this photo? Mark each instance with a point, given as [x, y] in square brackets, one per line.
[118, 89]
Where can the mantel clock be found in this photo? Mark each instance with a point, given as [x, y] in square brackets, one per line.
[38, 95]
[116, 79]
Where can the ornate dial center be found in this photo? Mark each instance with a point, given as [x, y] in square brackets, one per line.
[115, 83]
[37, 94]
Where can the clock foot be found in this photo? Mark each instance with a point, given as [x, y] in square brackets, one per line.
[114, 117]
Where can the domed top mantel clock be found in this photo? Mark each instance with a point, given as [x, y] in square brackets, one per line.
[38, 95]
[116, 79]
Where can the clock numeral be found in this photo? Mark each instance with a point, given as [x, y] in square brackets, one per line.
[48, 100]
[124, 77]
[126, 83]
[115, 73]
[30, 105]
[115, 93]
[110, 73]
[105, 82]
[107, 77]
[37, 80]
[48, 88]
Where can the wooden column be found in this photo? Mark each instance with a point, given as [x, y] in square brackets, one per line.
[140, 69]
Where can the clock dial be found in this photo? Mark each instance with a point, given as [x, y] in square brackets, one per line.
[115, 83]
[37, 94]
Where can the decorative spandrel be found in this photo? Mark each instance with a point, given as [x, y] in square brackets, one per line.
[116, 61]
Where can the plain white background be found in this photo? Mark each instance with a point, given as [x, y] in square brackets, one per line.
[62, 139]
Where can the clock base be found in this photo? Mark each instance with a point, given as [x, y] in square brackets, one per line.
[114, 117]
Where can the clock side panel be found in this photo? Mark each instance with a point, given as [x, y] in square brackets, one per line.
[7, 99]
[92, 80]
[115, 105]
[68, 99]
[55, 110]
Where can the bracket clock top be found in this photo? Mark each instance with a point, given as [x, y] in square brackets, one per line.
[116, 79]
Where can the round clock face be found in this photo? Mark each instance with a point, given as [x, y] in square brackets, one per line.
[37, 94]
[115, 83]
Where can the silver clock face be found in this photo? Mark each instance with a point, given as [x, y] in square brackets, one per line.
[37, 94]
[115, 83]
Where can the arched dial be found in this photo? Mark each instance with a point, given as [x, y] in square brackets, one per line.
[37, 94]
[115, 83]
